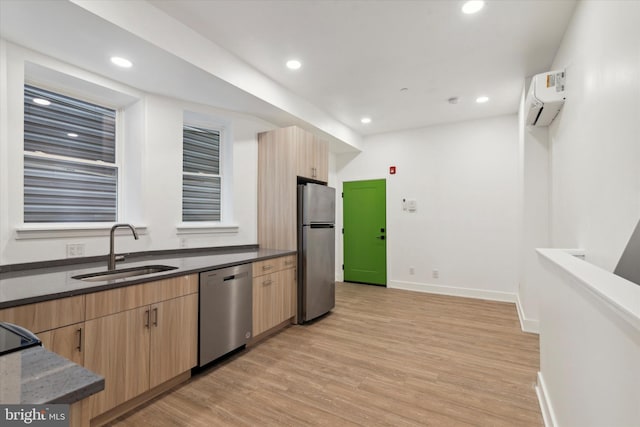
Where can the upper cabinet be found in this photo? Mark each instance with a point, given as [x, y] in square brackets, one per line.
[312, 156]
[283, 155]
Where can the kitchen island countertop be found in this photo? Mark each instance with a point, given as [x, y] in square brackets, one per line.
[38, 376]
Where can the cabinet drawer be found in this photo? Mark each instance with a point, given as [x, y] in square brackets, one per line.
[116, 300]
[43, 316]
[289, 261]
[274, 264]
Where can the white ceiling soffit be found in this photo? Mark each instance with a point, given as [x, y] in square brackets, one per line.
[64, 31]
[357, 55]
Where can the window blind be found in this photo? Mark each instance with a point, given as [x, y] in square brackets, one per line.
[201, 181]
[47, 128]
[76, 188]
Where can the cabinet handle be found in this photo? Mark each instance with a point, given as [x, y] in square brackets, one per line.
[267, 282]
[79, 346]
[313, 172]
[267, 267]
[155, 316]
[146, 318]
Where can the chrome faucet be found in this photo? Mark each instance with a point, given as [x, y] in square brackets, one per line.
[112, 255]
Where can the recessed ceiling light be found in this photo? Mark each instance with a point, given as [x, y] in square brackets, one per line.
[121, 62]
[41, 101]
[472, 6]
[482, 99]
[365, 120]
[294, 64]
[404, 89]
[72, 135]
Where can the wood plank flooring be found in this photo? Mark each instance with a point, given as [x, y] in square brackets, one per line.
[383, 357]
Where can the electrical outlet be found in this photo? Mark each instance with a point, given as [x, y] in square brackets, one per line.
[412, 271]
[435, 274]
[75, 250]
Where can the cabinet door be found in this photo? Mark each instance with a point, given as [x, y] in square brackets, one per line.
[313, 157]
[283, 304]
[264, 289]
[174, 338]
[117, 347]
[321, 160]
[273, 299]
[67, 342]
[306, 154]
[289, 282]
[277, 189]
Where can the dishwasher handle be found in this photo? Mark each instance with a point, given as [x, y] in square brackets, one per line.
[235, 276]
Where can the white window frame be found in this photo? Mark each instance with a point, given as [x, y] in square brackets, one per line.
[66, 80]
[226, 224]
[116, 165]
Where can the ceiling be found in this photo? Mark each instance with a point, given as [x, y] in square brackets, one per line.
[357, 55]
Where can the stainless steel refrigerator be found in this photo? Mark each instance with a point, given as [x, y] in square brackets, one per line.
[316, 250]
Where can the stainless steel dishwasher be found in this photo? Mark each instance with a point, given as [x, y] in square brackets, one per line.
[225, 318]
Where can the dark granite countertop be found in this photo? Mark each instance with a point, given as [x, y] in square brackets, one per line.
[38, 376]
[41, 284]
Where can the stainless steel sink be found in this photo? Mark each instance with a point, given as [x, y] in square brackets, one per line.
[123, 273]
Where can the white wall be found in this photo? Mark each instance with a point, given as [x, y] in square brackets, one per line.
[595, 141]
[589, 344]
[534, 214]
[464, 178]
[153, 165]
[589, 353]
[581, 176]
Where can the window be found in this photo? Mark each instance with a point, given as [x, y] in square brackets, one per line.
[70, 170]
[201, 178]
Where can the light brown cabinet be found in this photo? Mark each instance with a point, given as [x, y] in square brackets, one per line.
[59, 324]
[46, 315]
[117, 347]
[67, 341]
[274, 293]
[139, 337]
[174, 338]
[313, 156]
[283, 155]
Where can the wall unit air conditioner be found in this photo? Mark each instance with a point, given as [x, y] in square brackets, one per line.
[545, 98]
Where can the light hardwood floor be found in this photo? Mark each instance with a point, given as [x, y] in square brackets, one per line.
[382, 357]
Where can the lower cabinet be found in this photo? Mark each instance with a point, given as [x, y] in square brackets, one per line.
[174, 338]
[67, 342]
[117, 347]
[274, 294]
[137, 349]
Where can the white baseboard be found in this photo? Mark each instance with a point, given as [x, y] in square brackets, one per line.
[453, 291]
[545, 404]
[527, 325]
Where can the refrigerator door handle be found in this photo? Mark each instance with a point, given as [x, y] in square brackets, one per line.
[321, 225]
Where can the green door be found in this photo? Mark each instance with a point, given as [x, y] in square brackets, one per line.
[365, 226]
